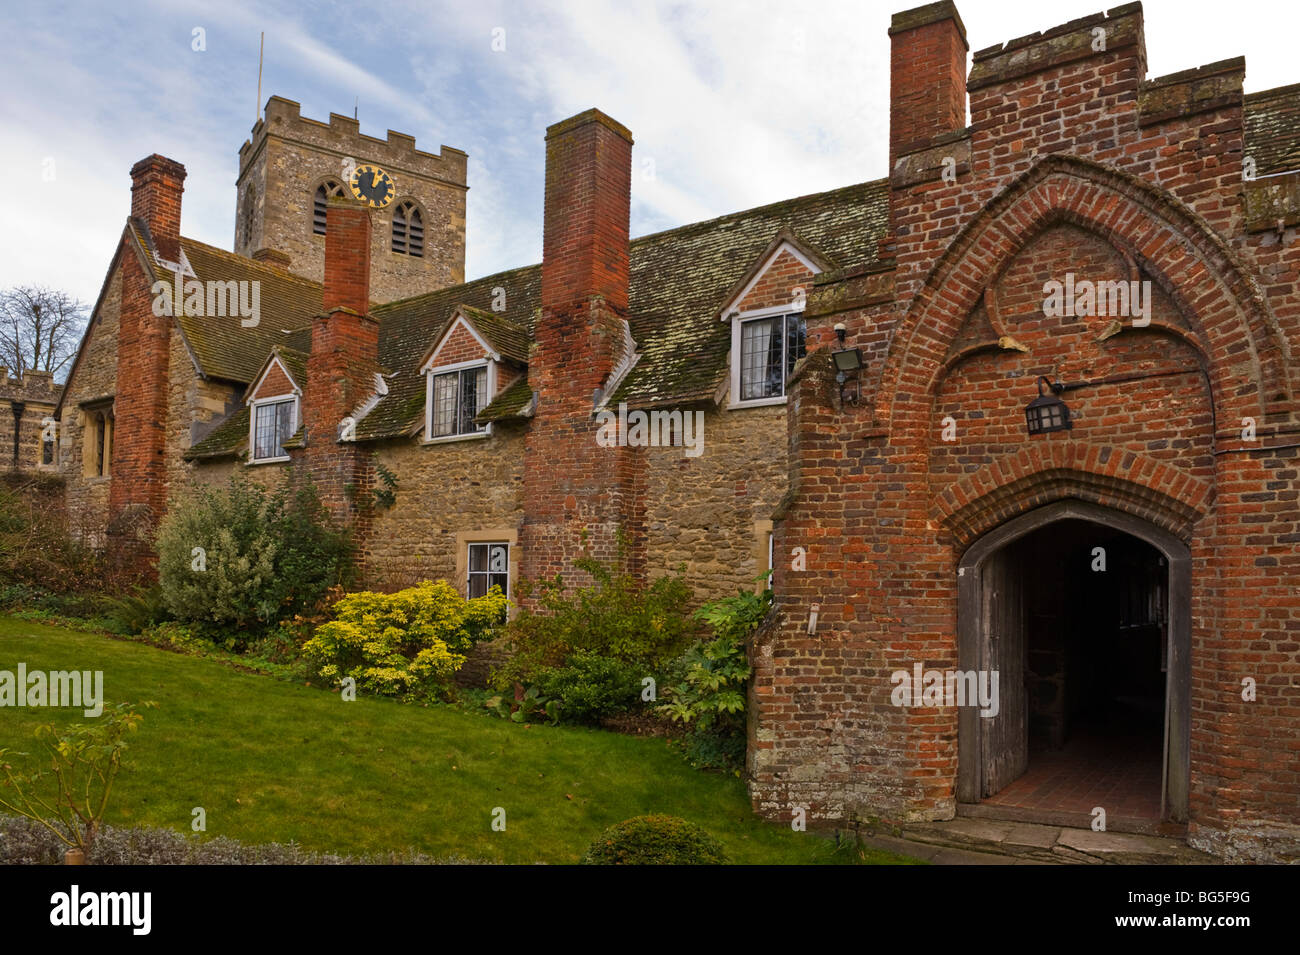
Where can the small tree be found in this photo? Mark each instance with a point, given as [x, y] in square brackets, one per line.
[68, 790]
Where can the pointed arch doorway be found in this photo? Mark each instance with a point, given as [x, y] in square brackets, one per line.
[1093, 660]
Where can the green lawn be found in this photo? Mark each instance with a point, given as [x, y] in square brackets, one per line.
[272, 761]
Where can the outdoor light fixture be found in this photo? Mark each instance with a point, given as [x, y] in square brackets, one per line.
[848, 361]
[1047, 412]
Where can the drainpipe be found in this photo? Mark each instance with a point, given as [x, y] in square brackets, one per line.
[18, 407]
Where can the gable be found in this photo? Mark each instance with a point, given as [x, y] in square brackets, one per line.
[459, 343]
[275, 381]
[784, 278]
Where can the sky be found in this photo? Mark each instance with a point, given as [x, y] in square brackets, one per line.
[732, 104]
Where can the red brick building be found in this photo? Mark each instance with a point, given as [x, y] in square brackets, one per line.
[1134, 578]
[1055, 228]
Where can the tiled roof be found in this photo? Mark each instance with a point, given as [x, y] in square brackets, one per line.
[508, 338]
[228, 438]
[511, 403]
[222, 346]
[678, 281]
[1272, 121]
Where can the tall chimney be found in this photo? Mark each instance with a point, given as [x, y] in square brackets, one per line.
[156, 186]
[927, 76]
[341, 366]
[579, 496]
[139, 469]
[588, 207]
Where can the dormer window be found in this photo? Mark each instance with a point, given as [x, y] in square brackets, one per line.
[769, 347]
[408, 230]
[327, 190]
[455, 398]
[274, 422]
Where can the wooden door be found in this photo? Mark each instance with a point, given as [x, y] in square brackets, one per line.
[1004, 738]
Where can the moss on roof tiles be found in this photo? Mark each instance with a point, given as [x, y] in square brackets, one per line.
[1272, 129]
[678, 280]
[508, 405]
[506, 337]
[227, 439]
[222, 346]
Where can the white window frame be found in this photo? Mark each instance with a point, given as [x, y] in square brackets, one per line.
[252, 427]
[738, 319]
[431, 373]
[509, 545]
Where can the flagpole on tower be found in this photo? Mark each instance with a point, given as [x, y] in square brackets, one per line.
[261, 48]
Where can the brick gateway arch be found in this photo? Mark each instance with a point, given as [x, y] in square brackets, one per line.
[990, 628]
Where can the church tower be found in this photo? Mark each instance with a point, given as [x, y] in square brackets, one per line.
[291, 166]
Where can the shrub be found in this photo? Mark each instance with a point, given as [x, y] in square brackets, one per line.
[615, 617]
[68, 789]
[710, 697]
[590, 687]
[407, 644]
[136, 612]
[655, 840]
[37, 550]
[240, 559]
[23, 842]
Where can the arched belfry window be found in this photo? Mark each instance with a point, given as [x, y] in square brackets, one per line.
[327, 190]
[408, 230]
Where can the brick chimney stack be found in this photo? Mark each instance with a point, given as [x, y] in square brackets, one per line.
[574, 489]
[156, 186]
[927, 71]
[343, 361]
[137, 494]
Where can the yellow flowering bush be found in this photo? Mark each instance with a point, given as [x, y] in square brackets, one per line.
[408, 644]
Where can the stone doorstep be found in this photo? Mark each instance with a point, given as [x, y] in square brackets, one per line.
[964, 841]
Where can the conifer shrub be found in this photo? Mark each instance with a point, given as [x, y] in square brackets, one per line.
[655, 840]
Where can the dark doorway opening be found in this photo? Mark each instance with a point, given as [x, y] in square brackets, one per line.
[1084, 613]
[1093, 670]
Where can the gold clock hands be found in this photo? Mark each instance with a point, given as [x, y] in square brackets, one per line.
[374, 180]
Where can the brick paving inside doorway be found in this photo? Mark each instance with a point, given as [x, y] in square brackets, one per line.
[1120, 773]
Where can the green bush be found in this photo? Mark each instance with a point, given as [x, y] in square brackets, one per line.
[655, 840]
[408, 644]
[590, 687]
[710, 696]
[136, 612]
[238, 560]
[38, 553]
[614, 617]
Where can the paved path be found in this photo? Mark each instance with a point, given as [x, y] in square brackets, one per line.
[990, 842]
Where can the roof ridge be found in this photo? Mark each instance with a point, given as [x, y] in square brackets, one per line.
[769, 205]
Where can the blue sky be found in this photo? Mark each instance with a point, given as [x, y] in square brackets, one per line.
[732, 104]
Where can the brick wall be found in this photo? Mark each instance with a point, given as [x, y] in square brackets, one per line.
[138, 498]
[579, 496]
[341, 369]
[1074, 162]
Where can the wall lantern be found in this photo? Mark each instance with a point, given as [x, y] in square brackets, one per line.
[848, 362]
[1047, 412]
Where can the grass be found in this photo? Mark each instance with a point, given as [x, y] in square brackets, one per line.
[273, 761]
